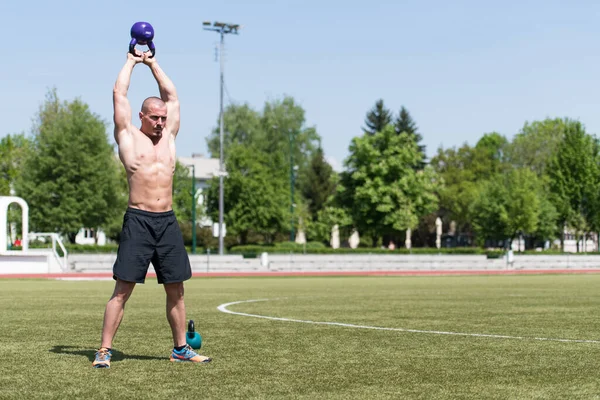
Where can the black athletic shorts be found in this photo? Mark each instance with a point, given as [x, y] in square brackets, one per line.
[149, 237]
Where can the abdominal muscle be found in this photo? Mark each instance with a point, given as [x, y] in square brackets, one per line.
[150, 169]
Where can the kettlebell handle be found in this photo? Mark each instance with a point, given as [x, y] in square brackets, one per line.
[191, 327]
[150, 46]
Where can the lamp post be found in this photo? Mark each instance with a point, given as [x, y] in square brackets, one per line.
[222, 29]
[292, 179]
[193, 207]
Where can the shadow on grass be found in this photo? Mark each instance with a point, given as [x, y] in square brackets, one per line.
[90, 353]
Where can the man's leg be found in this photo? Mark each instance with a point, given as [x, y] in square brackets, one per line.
[172, 266]
[113, 315]
[114, 311]
[176, 317]
[176, 312]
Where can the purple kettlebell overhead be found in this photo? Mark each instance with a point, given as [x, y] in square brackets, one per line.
[142, 33]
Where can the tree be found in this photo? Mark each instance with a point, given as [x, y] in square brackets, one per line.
[592, 205]
[460, 184]
[255, 199]
[13, 151]
[381, 187]
[405, 123]
[575, 179]
[523, 202]
[536, 144]
[377, 118]
[241, 125]
[284, 131]
[113, 226]
[548, 216]
[70, 176]
[534, 148]
[183, 203]
[489, 156]
[320, 227]
[278, 136]
[319, 183]
[463, 170]
[489, 214]
[182, 193]
[511, 204]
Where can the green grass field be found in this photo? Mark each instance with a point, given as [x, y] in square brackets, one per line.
[49, 331]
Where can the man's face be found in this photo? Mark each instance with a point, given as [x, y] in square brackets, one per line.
[154, 120]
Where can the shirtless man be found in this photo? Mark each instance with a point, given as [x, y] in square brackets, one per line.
[150, 231]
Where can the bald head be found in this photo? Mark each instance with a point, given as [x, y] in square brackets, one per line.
[152, 102]
[153, 117]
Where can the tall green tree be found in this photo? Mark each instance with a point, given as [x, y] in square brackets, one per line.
[332, 214]
[241, 125]
[489, 214]
[536, 144]
[320, 183]
[182, 193]
[460, 184]
[511, 204]
[489, 155]
[524, 201]
[114, 224]
[69, 177]
[463, 171]
[593, 206]
[13, 151]
[405, 123]
[377, 118]
[285, 132]
[381, 187]
[575, 179]
[255, 200]
[279, 135]
[183, 201]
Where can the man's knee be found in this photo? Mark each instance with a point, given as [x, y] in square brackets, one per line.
[174, 290]
[123, 290]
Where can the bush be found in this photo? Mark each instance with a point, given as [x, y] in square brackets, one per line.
[299, 247]
[315, 245]
[91, 248]
[319, 248]
[494, 254]
[288, 246]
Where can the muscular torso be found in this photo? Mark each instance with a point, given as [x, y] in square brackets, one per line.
[150, 169]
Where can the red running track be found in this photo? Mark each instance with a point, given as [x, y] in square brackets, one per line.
[107, 275]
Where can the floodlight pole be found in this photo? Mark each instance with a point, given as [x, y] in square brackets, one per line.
[193, 206]
[221, 28]
[292, 184]
[193, 209]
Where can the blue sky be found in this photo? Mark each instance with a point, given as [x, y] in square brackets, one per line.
[461, 68]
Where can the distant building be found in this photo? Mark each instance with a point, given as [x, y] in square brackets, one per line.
[86, 236]
[205, 170]
[586, 244]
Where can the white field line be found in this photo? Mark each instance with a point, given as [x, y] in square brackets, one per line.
[223, 308]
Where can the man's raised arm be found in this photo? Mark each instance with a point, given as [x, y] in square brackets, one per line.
[122, 109]
[168, 94]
